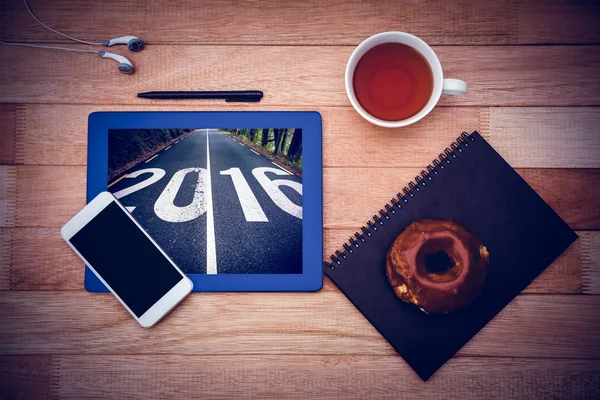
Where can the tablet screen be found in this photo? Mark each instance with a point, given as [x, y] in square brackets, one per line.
[218, 201]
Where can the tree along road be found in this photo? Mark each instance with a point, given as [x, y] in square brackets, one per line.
[216, 206]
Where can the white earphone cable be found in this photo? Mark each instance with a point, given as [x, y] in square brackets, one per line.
[55, 31]
[48, 47]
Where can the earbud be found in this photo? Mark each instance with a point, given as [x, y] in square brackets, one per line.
[125, 65]
[133, 43]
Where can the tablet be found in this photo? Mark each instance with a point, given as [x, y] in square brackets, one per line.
[234, 198]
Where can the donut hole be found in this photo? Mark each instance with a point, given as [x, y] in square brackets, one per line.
[438, 262]
[435, 256]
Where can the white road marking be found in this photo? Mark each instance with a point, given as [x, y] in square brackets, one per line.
[250, 206]
[272, 189]
[157, 175]
[241, 144]
[211, 249]
[165, 208]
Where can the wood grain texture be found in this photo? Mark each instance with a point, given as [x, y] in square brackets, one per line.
[535, 137]
[38, 259]
[369, 191]
[546, 137]
[265, 22]
[324, 377]
[558, 21]
[324, 322]
[8, 193]
[8, 129]
[27, 377]
[296, 75]
[573, 194]
[43, 191]
[273, 376]
[314, 376]
[590, 275]
[6, 258]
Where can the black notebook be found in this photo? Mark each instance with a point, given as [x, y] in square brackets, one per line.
[472, 184]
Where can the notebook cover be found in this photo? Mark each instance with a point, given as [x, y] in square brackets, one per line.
[476, 187]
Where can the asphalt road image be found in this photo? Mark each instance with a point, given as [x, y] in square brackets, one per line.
[217, 207]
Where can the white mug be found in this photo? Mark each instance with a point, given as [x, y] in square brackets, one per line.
[440, 85]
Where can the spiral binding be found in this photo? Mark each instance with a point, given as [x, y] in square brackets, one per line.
[403, 197]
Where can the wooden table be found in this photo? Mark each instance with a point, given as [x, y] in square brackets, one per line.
[533, 69]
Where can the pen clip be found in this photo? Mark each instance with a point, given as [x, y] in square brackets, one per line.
[239, 99]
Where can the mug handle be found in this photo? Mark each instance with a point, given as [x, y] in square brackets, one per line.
[454, 86]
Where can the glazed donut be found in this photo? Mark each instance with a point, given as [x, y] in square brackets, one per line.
[437, 265]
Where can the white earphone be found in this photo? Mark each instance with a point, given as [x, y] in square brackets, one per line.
[133, 43]
[125, 65]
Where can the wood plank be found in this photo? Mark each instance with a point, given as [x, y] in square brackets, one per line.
[45, 136]
[581, 206]
[325, 377]
[38, 192]
[545, 138]
[297, 75]
[558, 21]
[8, 193]
[26, 377]
[6, 258]
[38, 259]
[276, 323]
[590, 256]
[8, 129]
[189, 22]
[263, 22]
[65, 185]
[533, 137]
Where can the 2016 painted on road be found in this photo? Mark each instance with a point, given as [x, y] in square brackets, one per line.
[166, 210]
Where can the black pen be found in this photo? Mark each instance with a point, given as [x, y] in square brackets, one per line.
[230, 96]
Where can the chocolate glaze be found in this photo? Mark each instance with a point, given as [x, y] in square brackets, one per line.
[437, 265]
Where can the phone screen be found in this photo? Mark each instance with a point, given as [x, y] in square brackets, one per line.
[126, 259]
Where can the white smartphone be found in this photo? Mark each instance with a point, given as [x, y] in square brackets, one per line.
[126, 259]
